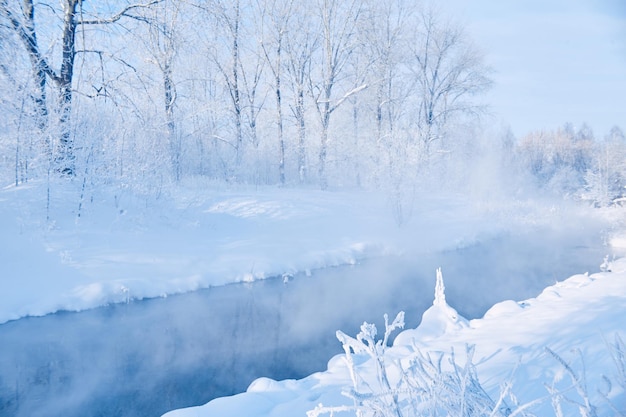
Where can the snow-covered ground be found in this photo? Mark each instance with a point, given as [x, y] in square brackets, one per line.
[88, 248]
[111, 245]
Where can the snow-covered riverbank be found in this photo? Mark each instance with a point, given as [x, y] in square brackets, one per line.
[112, 246]
[561, 353]
[82, 251]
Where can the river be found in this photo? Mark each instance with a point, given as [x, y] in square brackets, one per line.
[147, 357]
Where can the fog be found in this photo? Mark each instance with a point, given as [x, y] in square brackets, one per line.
[140, 137]
[148, 357]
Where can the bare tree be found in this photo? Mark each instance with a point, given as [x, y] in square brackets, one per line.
[277, 13]
[162, 44]
[18, 107]
[22, 19]
[300, 43]
[236, 53]
[338, 22]
[448, 69]
[252, 67]
[229, 16]
[384, 34]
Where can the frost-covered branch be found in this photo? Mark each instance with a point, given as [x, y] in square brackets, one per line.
[424, 385]
[347, 96]
[579, 383]
[122, 13]
[617, 351]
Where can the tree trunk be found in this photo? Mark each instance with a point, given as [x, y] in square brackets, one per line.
[65, 155]
[279, 114]
[25, 29]
[324, 147]
[302, 168]
[355, 144]
[172, 137]
[236, 95]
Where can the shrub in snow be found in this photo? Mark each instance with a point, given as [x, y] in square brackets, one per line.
[425, 384]
[576, 394]
[388, 383]
[617, 350]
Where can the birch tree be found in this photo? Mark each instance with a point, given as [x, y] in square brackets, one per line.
[385, 35]
[229, 16]
[21, 119]
[235, 53]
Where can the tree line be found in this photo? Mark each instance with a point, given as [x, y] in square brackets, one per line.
[263, 91]
[328, 92]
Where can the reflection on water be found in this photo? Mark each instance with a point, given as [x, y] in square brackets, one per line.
[148, 357]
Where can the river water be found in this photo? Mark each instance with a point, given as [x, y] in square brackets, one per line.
[148, 357]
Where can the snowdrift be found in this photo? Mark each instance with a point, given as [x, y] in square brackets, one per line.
[561, 353]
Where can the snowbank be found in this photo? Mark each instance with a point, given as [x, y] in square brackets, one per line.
[83, 250]
[566, 332]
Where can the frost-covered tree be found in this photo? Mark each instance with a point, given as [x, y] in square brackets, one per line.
[605, 178]
[275, 19]
[30, 21]
[385, 34]
[448, 71]
[338, 21]
[558, 160]
[162, 42]
[300, 43]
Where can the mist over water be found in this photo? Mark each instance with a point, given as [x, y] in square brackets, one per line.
[148, 357]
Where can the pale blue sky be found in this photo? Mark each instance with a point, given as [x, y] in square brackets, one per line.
[555, 61]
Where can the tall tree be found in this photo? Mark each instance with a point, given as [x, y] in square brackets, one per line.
[276, 15]
[163, 46]
[448, 70]
[300, 43]
[229, 16]
[384, 34]
[338, 21]
[22, 19]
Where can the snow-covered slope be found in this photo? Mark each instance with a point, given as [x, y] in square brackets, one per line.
[567, 340]
[89, 248]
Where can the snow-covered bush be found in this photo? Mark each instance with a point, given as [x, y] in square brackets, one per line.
[409, 381]
[424, 384]
[605, 180]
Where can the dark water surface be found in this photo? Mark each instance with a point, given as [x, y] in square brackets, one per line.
[148, 357]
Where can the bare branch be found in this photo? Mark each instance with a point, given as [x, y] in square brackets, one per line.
[28, 38]
[347, 96]
[121, 14]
